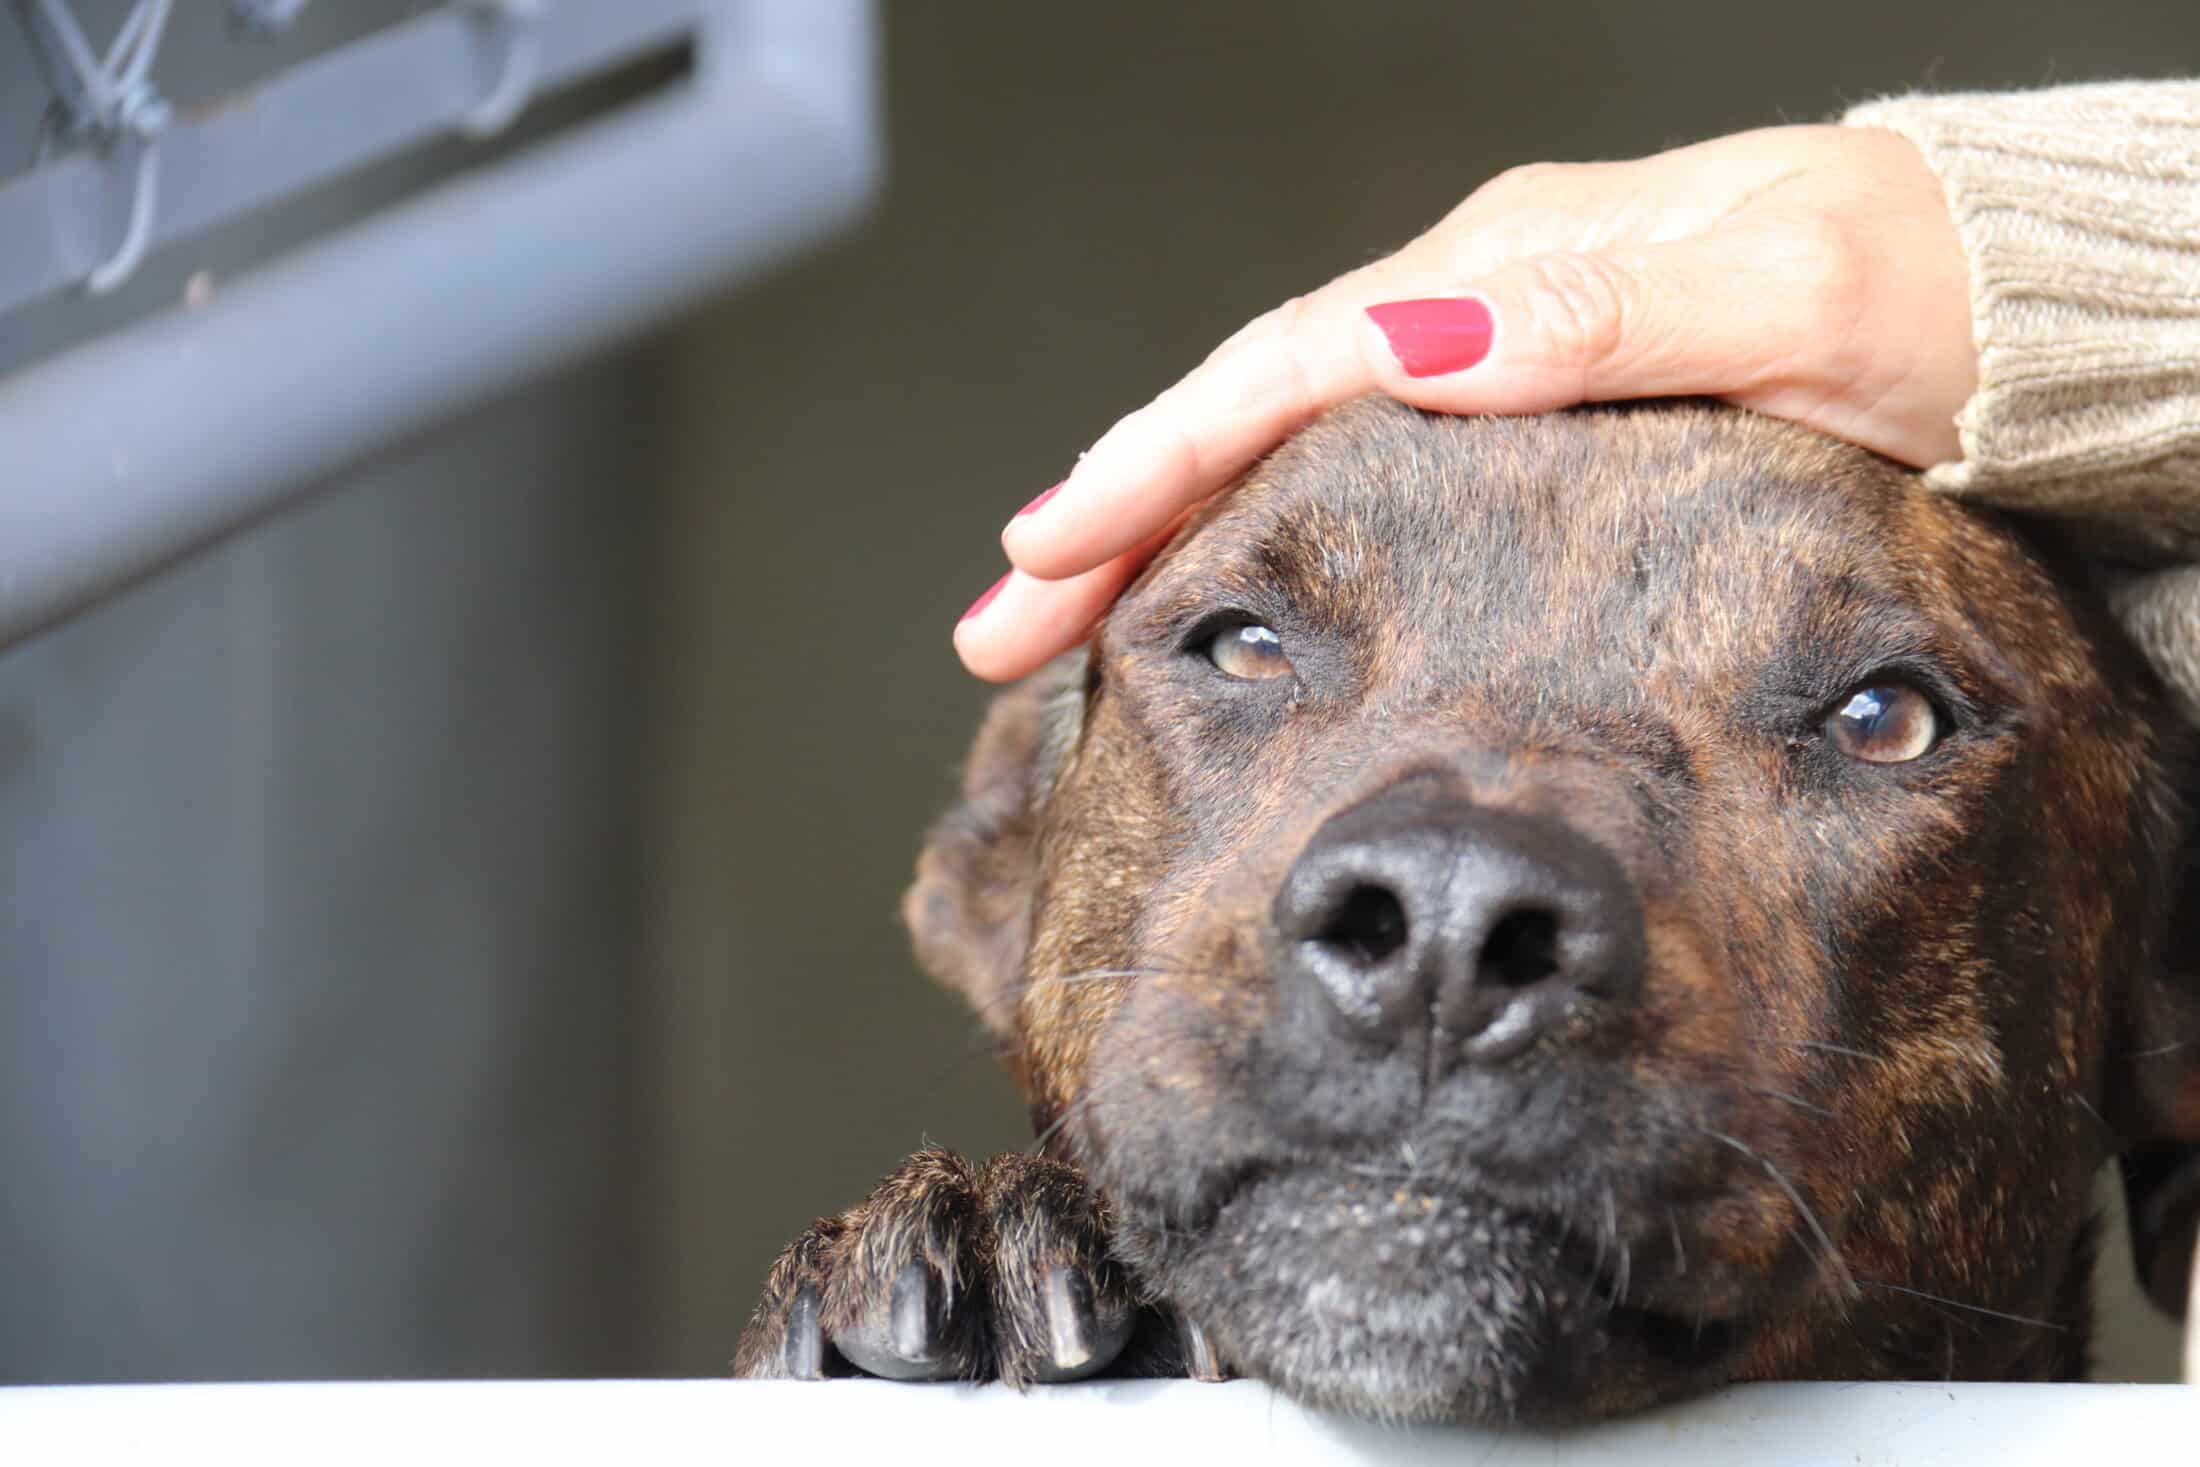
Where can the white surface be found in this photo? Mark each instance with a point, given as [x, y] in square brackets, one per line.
[1120, 1424]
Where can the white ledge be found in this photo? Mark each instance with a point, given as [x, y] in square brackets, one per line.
[1119, 1424]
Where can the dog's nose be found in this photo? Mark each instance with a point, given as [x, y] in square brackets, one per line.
[1419, 913]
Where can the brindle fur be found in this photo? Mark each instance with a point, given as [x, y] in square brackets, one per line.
[1893, 1017]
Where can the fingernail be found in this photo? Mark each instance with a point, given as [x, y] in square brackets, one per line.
[1044, 496]
[1432, 337]
[984, 601]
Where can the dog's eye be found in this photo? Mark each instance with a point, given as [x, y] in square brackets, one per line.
[1249, 652]
[1885, 723]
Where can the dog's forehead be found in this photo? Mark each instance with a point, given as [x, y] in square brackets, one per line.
[1593, 487]
[1620, 530]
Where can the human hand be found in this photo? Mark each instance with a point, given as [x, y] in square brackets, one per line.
[1811, 273]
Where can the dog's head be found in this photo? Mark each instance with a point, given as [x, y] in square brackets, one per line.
[1526, 918]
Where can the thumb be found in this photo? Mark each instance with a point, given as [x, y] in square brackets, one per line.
[1708, 315]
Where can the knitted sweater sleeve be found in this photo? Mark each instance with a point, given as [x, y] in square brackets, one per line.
[2079, 211]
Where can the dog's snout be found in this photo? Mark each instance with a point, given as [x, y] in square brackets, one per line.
[1420, 914]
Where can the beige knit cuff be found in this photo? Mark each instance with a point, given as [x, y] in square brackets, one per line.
[2079, 210]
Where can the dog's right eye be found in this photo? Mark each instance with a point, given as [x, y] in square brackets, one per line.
[1249, 651]
[1885, 723]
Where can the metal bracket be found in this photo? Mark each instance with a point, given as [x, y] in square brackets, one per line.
[468, 66]
[516, 23]
[138, 446]
[265, 17]
[110, 103]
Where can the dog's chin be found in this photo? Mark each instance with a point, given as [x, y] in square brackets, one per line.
[1406, 1304]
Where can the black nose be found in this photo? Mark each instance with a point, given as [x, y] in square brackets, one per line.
[1417, 913]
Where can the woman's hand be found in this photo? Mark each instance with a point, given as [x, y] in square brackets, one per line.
[1812, 273]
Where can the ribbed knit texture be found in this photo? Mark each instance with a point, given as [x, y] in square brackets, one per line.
[2079, 211]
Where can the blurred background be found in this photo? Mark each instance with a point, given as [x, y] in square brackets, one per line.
[450, 929]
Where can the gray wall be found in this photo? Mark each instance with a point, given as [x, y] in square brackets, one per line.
[312, 1057]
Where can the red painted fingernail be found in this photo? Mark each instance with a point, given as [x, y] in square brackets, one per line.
[1044, 496]
[984, 601]
[1432, 337]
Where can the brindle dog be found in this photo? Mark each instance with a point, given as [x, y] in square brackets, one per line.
[1517, 920]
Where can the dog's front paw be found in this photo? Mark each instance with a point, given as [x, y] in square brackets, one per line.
[949, 1270]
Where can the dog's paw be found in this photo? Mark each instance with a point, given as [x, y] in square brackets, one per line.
[949, 1271]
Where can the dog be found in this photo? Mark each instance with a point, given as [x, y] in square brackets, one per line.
[1520, 920]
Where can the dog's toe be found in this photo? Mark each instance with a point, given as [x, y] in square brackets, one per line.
[916, 1331]
[1062, 1308]
[893, 1287]
[906, 1297]
[785, 1338]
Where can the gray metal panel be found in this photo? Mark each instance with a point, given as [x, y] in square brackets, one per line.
[130, 452]
[314, 939]
[337, 111]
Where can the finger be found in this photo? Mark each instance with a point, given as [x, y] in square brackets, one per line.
[1280, 371]
[1732, 313]
[1285, 368]
[1021, 622]
[1192, 440]
[1316, 352]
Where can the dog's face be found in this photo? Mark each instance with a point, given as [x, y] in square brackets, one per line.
[1527, 918]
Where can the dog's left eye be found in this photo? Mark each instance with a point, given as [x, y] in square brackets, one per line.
[1249, 652]
[1885, 723]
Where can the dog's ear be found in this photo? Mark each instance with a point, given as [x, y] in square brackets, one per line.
[2160, 1090]
[2153, 1081]
[969, 910]
[2151, 1074]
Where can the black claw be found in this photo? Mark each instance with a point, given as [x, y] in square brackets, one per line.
[910, 1341]
[804, 1352]
[1069, 1317]
[1200, 1360]
[1085, 1334]
[912, 1313]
